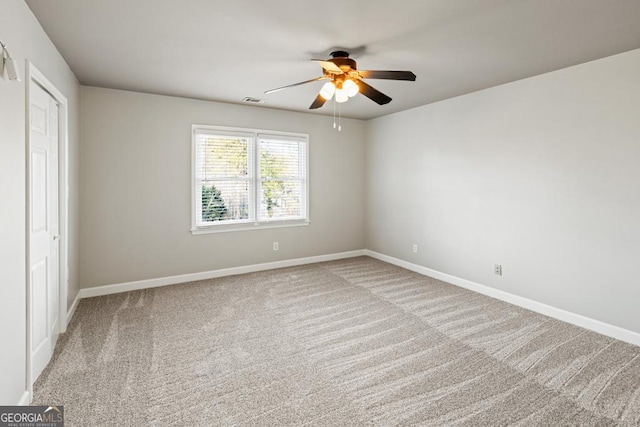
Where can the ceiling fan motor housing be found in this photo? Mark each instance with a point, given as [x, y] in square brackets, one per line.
[342, 60]
[339, 54]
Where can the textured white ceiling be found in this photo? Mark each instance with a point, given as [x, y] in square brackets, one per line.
[226, 50]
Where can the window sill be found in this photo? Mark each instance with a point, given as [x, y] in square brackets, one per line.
[250, 226]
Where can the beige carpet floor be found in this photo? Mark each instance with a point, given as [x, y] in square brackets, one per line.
[354, 342]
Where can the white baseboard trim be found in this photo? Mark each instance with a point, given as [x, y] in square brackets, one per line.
[72, 309]
[25, 399]
[557, 313]
[190, 277]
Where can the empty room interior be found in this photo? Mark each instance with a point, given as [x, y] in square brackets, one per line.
[331, 213]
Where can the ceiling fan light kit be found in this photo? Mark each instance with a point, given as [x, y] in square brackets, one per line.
[327, 91]
[341, 96]
[342, 89]
[351, 87]
[346, 81]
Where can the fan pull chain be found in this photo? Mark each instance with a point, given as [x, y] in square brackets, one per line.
[334, 113]
[339, 119]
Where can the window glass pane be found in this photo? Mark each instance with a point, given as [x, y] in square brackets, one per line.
[280, 200]
[282, 173]
[280, 159]
[225, 200]
[223, 156]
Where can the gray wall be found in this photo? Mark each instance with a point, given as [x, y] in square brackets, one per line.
[540, 175]
[26, 40]
[136, 188]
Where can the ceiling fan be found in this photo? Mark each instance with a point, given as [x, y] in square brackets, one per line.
[345, 80]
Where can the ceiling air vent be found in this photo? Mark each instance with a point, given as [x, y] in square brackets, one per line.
[253, 100]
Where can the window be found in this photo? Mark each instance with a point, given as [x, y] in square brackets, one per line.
[246, 178]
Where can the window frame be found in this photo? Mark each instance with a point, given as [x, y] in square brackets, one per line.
[253, 154]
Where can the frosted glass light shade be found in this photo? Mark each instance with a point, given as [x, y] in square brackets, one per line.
[327, 90]
[351, 87]
[341, 96]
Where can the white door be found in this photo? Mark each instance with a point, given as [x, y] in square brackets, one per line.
[44, 239]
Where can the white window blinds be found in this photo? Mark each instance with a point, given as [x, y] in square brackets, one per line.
[248, 178]
[282, 185]
[223, 178]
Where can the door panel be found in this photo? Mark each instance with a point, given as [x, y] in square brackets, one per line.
[39, 190]
[54, 227]
[43, 229]
[39, 281]
[39, 113]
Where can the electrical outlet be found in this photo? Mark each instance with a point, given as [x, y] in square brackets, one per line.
[497, 270]
[275, 246]
[415, 248]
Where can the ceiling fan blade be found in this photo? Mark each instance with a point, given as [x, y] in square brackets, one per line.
[295, 84]
[388, 75]
[317, 103]
[372, 93]
[329, 66]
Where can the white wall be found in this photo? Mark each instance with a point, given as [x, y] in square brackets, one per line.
[136, 188]
[540, 175]
[25, 39]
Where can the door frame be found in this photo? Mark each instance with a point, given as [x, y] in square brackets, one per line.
[34, 76]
